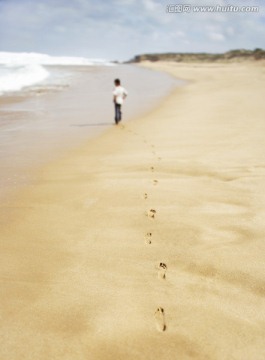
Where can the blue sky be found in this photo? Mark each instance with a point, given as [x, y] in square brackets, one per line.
[120, 29]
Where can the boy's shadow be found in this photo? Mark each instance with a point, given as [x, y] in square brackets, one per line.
[98, 124]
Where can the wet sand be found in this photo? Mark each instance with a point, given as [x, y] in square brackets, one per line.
[148, 241]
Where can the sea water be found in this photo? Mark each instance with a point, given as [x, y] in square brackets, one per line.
[21, 70]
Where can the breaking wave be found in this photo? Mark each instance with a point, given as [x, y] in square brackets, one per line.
[20, 70]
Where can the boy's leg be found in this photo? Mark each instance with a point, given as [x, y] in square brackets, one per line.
[116, 113]
[119, 112]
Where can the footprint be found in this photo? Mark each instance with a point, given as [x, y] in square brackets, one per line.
[160, 319]
[145, 196]
[152, 168]
[148, 238]
[162, 269]
[151, 213]
[155, 182]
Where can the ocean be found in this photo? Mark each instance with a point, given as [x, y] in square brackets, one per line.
[51, 104]
[21, 70]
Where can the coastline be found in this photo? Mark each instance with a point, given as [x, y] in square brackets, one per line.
[162, 213]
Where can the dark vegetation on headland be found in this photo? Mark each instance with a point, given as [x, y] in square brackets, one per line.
[229, 56]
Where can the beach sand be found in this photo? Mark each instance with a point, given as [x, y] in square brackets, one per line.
[148, 241]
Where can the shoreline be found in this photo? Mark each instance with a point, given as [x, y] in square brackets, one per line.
[147, 240]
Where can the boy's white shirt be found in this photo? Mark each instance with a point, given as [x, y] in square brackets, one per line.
[119, 92]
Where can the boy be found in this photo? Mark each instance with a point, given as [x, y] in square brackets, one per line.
[119, 95]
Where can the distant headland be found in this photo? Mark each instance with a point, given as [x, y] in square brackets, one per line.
[229, 56]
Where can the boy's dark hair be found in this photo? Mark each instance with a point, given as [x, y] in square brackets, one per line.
[117, 82]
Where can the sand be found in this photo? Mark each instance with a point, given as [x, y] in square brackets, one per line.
[148, 241]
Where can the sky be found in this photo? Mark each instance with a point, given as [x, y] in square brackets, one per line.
[121, 29]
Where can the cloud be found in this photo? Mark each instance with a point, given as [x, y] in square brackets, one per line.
[180, 34]
[216, 36]
[119, 29]
[230, 31]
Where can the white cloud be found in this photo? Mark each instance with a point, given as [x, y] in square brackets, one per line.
[230, 31]
[150, 5]
[216, 36]
[180, 34]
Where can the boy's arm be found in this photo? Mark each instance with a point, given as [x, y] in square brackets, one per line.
[114, 96]
[125, 93]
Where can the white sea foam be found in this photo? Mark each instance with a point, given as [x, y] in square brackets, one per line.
[15, 78]
[20, 70]
[43, 59]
